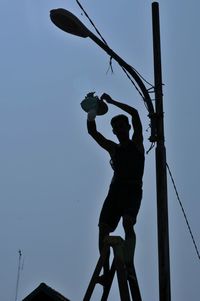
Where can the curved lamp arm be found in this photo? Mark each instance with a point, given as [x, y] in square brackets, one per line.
[69, 23]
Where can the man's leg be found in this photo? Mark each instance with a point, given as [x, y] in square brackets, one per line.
[130, 240]
[108, 221]
[103, 232]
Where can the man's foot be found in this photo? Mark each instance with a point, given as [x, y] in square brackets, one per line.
[104, 279]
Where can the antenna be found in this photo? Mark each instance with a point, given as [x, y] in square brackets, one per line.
[18, 274]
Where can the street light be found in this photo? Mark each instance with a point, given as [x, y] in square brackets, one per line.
[69, 23]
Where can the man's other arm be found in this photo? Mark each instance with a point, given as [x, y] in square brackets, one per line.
[136, 122]
[98, 137]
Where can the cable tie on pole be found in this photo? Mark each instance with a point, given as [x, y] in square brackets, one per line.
[151, 89]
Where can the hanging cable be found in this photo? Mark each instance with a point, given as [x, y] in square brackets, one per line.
[134, 85]
[127, 74]
[142, 77]
[151, 88]
[110, 65]
[183, 211]
[79, 4]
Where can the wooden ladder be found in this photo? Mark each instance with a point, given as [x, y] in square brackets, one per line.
[128, 284]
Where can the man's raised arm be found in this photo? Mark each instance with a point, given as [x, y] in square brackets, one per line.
[98, 137]
[136, 122]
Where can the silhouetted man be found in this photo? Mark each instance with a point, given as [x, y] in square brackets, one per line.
[125, 192]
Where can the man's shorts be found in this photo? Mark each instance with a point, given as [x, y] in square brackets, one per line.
[122, 199]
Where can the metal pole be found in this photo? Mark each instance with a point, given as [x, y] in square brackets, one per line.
[161, 173]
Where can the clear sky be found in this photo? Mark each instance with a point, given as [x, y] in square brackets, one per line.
[54, 177]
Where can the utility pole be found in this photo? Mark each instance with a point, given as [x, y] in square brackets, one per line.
[161, 172]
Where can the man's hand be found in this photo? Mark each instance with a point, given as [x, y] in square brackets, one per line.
[92, 115]
[107, 98]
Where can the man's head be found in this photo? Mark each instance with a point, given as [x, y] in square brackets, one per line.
[121, 127]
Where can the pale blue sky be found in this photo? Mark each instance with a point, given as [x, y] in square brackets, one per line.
[54, 177]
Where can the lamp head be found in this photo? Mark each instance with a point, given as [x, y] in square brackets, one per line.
[68, 22]
[93, 102]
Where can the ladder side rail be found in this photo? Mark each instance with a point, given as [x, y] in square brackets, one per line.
[96, 273]
[134, 287]
[121, 272]
[107, 288]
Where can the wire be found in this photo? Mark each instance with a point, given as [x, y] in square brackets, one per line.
[132, 82]
[110, 64]
[142, 77]
[79, 4]
[110, 67]
[151, 88]
[183, 211]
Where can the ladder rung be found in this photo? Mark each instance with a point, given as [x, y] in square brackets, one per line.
[118, 265]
